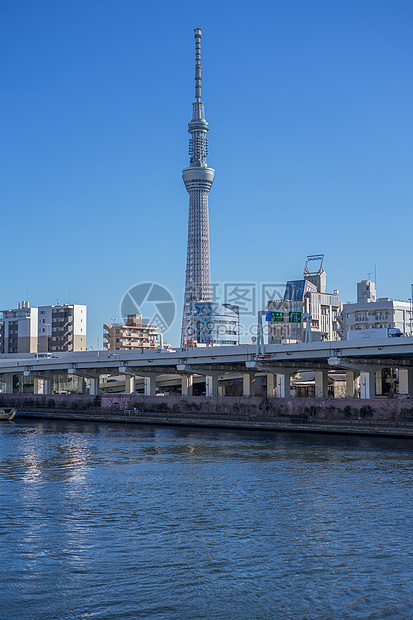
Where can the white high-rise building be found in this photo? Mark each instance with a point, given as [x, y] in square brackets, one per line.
[62, 328]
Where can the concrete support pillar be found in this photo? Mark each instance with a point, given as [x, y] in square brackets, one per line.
[350, 384]
[38, 386]
[94, 386]
[187, 382]
[283, 384]
[321, 383]
[379, 383]
[150, 385]
[357, 386]
[271, 384]
[211, 385]
[129, 384]
[7, 384]
[368, 384]
[248, 384]
[405, 380]
[47, 385]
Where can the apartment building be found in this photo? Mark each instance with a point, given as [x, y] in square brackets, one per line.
[19, 329]
[61, 327]
[133, 334]
[372, 313]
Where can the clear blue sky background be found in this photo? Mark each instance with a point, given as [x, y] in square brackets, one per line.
[311, 133]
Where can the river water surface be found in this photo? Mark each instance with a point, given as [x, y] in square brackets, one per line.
[104, 521]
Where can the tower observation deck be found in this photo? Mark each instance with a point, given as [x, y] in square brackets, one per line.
[198, 179]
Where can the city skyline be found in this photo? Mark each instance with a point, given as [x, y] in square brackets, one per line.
[312, 134]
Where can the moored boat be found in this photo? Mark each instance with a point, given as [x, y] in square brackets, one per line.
[7, 413]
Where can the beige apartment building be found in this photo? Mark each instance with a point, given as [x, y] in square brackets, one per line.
[133, 334]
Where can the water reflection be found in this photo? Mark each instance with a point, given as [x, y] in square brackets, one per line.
[108, 521]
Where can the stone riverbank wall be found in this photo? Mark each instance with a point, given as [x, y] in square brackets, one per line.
[378, 416]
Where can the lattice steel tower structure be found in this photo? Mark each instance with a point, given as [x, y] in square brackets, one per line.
[198, 179]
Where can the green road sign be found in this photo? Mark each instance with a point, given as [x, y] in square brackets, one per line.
[294, 317]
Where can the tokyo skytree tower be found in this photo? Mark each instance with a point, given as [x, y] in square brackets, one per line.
[198, 180]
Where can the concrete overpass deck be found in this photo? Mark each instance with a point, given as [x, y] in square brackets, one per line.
[364, 357]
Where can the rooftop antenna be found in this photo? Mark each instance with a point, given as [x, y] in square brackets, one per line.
[198, 36]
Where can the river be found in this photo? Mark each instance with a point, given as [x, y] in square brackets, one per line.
[106, 521]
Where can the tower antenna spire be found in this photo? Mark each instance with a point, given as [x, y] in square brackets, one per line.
[198, 77]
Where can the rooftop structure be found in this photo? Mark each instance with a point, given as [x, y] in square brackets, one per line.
[198, 179]
[314, 272]
[366, 291]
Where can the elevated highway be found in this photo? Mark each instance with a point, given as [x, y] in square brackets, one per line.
[364, 358]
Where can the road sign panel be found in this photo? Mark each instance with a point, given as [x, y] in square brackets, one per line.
[294, 317]
[276, 316]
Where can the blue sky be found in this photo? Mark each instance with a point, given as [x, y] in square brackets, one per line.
[311, 133]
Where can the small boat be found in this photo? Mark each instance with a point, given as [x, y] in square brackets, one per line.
[7, 413]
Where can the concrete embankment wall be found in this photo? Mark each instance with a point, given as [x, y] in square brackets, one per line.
[349, 416]
[332, 408]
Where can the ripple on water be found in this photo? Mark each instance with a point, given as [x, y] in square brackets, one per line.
[101, 521]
